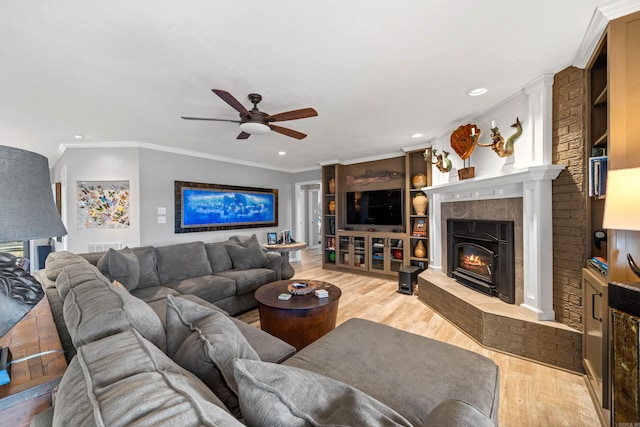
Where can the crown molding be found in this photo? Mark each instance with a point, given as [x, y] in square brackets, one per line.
[137, 144]
[598, 25]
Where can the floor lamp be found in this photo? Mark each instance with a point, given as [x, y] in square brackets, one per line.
[27, 212]
[622, 204]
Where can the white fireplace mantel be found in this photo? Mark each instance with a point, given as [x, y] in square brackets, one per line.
[533, 184]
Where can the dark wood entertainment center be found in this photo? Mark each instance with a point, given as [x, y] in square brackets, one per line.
[373, 248]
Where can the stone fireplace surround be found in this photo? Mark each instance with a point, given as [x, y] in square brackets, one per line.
[526, 328]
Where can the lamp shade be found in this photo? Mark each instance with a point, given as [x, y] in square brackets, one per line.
[27, 209]
[622, 203]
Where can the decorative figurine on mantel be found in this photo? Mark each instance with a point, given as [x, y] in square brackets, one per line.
[498, 145]
[463, 142]
[443, 163]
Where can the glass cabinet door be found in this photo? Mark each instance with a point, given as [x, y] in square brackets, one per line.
[344, 247]
[396, 255]
[359, 252]
[378, 246]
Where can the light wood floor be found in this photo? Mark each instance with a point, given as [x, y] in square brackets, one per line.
[530, 394]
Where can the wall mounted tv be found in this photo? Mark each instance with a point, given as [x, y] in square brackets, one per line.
[375, 207]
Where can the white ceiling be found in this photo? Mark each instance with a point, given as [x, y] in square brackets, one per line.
[376, 71]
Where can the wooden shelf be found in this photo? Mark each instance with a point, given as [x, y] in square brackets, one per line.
[601, 141]
[601, 98]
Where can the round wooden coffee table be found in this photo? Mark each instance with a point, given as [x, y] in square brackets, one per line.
[303, 318]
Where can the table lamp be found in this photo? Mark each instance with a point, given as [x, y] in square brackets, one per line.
[27, 212]
[622, 204]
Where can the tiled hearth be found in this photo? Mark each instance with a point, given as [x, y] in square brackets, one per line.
[501, 326]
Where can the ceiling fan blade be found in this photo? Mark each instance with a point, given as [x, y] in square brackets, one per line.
[213, 120]
[243, 135]
[288, 132]
[293, 115]
[229, 99]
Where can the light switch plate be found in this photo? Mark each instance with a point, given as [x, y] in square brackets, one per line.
[162, 219]
[162, 211]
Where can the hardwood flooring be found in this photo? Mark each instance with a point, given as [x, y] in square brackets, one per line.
[531, 394]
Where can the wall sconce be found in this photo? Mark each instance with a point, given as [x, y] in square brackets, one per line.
[622, 204]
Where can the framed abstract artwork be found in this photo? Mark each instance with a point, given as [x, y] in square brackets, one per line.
[103, 204]
[211, 207]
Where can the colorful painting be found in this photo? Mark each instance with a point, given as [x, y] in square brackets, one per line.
[103, 204]
[209, 207]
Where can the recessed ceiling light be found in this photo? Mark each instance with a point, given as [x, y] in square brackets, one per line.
[416, 135]
[477, 91]
[77, 136]
[282, 153]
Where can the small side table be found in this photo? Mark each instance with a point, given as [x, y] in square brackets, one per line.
[300, 320]
[284, 249]
[32, 381]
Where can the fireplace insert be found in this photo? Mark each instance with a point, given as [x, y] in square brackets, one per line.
[480, 255]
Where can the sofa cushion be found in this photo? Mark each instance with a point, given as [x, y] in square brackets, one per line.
[415, 392]
[456, 413]
[245, 258]
[95, 309]
[56, 261]
[148, 270]
[76, 274]
[248, 281]
[206, 342]
[122, 266]
[153, 293]
[210, 288]
[268, 347]
[218, 256]
[182, 261]
[124, 380]
[272, 394]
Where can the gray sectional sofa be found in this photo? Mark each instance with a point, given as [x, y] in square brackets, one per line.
[177, 359]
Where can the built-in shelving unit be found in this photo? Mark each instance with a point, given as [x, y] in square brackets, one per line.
[598, 137]
[381, 250]
[417, 224]
[329, 224]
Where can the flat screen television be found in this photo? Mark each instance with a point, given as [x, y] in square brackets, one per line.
[375, 207]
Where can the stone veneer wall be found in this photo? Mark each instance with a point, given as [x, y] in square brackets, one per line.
[569, 199]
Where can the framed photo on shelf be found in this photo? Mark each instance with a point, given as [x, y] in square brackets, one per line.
[272, 238]
[419, 227]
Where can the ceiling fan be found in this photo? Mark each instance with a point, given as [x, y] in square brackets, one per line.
[255, 122]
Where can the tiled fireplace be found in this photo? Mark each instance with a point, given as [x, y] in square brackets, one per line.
[480, 256]
[521, 200]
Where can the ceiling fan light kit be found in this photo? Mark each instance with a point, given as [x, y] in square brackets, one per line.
[254, 128]
[255, 122]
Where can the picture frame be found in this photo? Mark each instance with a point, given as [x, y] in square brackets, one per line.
[212, 207]
[272, 238]
[419, 227]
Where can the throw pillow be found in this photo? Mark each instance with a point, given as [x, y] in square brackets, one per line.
[124, 380]
[453, 413]
[122, 266]
[148, 271]
[245, 258]
[272, 394]
[211, 343]
[245, 241]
